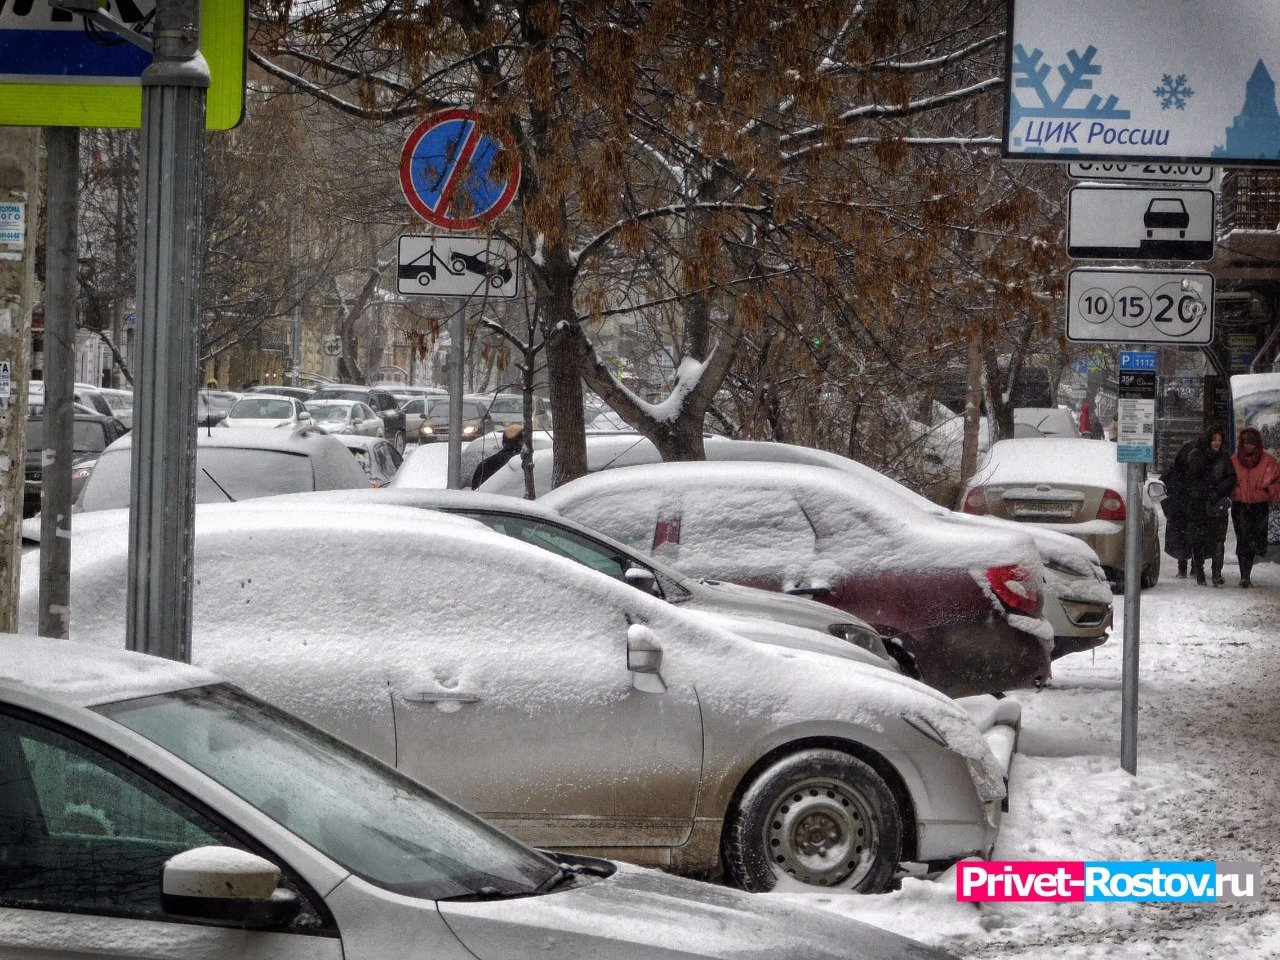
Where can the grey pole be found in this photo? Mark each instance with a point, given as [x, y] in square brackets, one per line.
[170, 233]
[59, 381]
[457, 333]
[1132, 601]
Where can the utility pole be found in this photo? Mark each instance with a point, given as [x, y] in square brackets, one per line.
[170, 237]
[19, 185]
[59, 380]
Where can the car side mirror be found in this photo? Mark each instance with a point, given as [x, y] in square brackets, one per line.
[226, 885]
[1156, 490]
[642, 579]
[644, 659]
[304, 415]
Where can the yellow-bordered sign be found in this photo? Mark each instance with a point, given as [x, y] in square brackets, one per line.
[57, 72]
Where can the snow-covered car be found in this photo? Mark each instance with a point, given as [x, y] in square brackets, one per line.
[1076, 487]
[148, 808]
[535, 524]
[377, 458]
[570, 709]
[965, 604]
[264, 411]
[349, 417]
[1077, 602]
[234, 465]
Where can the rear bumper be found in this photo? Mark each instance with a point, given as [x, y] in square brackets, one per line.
[975, 657]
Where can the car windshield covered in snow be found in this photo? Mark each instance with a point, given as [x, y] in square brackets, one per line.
[261, 408]
[375, 822]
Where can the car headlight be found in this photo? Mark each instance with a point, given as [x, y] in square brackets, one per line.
[425, 430]
[468, 431]
[961, 737]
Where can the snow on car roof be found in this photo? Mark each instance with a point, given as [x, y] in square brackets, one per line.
[422, 499]
[305, 440]
[799, 520]
[1052, 459]
[79, 673]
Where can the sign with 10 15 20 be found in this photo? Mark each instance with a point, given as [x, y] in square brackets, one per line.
[1140, 306]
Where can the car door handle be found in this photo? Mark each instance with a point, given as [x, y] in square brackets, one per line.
[439, 696]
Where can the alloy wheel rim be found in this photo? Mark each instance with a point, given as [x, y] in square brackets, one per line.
[821, 832]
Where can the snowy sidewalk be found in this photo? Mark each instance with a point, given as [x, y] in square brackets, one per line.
[1208, 788]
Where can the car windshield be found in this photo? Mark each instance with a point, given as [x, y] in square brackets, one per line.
[507, 405]
[222, 474]
[261, 408]
[329, 412]
[331, 394]
[372, 820]
[215, 400]
[88, 436]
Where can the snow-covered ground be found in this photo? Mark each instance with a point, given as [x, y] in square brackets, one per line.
[1208, 788]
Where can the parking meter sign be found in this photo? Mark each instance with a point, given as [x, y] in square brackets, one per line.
[1140, 306]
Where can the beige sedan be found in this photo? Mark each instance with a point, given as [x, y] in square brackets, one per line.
[1076, 487]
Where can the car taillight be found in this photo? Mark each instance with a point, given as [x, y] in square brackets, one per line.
[1112, 507]
[1015, 588]
[975, 501]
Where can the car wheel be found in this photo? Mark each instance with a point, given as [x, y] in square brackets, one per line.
[819, 816]
[1151, 574]
[398, 441]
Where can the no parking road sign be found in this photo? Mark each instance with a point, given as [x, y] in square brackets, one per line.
[449, 171]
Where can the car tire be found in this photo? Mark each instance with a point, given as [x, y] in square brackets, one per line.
[820, 816]
[1151, 574]
[399, 441]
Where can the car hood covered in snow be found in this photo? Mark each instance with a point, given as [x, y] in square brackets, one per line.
[645, 915]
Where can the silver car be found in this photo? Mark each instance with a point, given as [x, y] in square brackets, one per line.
[568, 708]
[150, 809]
[345, 416]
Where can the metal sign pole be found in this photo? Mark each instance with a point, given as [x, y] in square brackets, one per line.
[59, 382]
[457, 332]
[170, 237]
[1132, 601]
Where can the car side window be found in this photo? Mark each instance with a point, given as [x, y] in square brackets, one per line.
[757, 536]
[80, 832]
[573, 546]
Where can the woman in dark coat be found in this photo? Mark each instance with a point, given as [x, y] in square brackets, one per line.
[1177, 538]
[1203, 470]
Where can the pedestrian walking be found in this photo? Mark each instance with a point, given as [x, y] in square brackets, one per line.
[1257, 487]
[1177, 537]
[512, 441]
[1204, 469]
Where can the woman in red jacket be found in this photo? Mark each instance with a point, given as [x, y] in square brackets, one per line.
[1257, 487]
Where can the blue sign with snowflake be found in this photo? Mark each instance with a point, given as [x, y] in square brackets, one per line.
[1143, 80]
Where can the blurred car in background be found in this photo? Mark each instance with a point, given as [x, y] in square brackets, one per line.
[280, 390]
[507, 409]
[265, 411]
[212, 406]
[384, 406]
[435, 423]
[91, 433]
[345, 416]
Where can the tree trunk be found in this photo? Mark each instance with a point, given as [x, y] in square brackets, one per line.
[972, 407]
[19, 183]
[564, 345]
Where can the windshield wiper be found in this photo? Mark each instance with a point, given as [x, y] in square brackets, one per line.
[566, 872]
[486, 893]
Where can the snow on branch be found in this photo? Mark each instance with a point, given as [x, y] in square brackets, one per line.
[323, 95]
[807, 139]
[915, 66]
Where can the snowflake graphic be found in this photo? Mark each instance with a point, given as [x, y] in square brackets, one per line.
[1173, 92]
